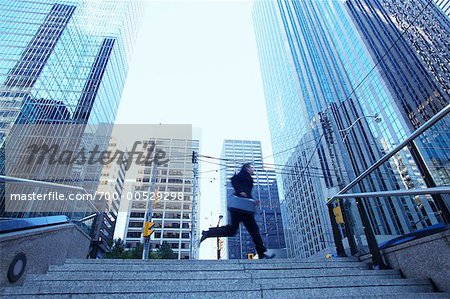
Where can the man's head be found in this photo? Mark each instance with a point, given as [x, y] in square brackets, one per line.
[248, 167]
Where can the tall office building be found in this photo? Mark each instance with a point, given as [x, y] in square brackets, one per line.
[110, 188]
[416, 69]
[319, 81]
[235, 153]
[444, 5]
[62, 63]
[172, 191]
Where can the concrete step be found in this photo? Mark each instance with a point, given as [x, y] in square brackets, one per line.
[165, 261]
[198, 275]
[304, 265]
[404, 296]
[267, 290]
[308, 282]
[117, 276]
[359, 292]
[136, 267]
[79, 278]
[239, 295]
[326, 272]
[334, 258]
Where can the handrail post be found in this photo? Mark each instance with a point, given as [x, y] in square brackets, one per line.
[336, 233]
[377, 259]
[348, 229]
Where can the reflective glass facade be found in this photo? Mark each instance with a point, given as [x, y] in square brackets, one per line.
[416, 70]
[444, 5]
[64, 62]
[320, 79]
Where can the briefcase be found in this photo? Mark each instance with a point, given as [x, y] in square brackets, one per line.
[241, 204]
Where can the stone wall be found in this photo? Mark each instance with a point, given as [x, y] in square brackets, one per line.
[42, 247]
[424, 258]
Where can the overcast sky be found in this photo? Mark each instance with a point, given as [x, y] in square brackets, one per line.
[196, 63]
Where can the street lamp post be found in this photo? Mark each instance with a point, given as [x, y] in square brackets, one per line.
[343, 203]
[377, 118]
[218, 239]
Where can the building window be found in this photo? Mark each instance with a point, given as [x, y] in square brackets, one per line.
[133, 234]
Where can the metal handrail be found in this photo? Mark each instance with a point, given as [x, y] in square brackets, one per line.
[87, 218]
[421, 191]
[395, 150]
[367, 226]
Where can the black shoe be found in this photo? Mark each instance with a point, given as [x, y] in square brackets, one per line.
[203, 238]
[267, 255]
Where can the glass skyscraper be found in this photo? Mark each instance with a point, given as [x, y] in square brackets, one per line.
[63, 63]
[416, 70]
[319, 80]
[235, 153]
[444, 5]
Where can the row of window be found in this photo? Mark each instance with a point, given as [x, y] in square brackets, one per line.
[158, 235]
[140, 224]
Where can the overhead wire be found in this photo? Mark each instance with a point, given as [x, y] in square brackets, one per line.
[278, 167]
[312, 174]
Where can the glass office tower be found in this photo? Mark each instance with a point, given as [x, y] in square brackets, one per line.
[319, 81]
[235, 153]
[416, 69]
[63, 63]
[444, 5]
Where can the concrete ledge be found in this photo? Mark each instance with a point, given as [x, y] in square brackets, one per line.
[43, 247]
[424, 258]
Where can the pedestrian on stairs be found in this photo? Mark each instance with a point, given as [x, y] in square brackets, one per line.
[243, 185]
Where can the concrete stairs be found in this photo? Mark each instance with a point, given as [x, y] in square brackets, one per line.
[277, 278]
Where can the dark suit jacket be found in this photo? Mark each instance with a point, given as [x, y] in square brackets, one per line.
[242, 182]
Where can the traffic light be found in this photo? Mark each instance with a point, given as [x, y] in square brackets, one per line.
[220, 244]
[147, 230]
[338, 215]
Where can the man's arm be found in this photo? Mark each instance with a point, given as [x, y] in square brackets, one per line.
[237, 187]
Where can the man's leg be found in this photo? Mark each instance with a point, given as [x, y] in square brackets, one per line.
[253, 229]
[224, 231]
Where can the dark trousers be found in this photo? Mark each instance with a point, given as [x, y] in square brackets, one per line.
[230, 230]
